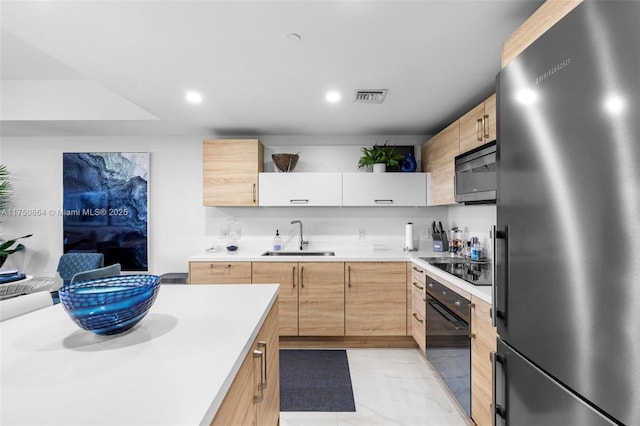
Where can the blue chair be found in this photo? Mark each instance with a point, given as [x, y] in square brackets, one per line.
[107, 271]
[72, 263]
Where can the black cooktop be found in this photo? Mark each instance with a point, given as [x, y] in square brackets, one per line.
[474, 272]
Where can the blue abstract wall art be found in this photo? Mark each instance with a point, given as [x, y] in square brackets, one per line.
[105, 206]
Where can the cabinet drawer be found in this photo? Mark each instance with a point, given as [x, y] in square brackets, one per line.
[418, 302]
[419, 331]
[418, 276]
[219, 272]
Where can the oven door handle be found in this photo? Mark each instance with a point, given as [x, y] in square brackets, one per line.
[437, 306]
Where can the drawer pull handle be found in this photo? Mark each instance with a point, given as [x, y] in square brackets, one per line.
[485, 125]
[299, 201]
[417, 319]
[263, 345]
[415, 268]
[383, 201]
[293, 277]
[215, 266]
[259, 355]
[415, 284]
[302, 277]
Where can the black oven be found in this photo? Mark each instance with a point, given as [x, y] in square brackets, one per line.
[448, 342]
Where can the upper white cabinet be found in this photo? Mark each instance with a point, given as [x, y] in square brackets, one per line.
[300, 189]
[384, 189]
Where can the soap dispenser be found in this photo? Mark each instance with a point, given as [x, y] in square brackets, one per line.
[277, 241]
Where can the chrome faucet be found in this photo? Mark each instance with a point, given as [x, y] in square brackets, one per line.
[302, 241]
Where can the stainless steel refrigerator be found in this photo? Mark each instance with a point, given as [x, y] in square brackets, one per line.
[567, 291]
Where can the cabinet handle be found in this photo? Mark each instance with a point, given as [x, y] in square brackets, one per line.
[349, 276]
[479, 129]
[258, 398]
[299, 201]
[415, 284]
[420, 271]
[383, 201]
[417, 319]
[302, 277]
[254, 192]
[216, 266]
[485, 125]
[263, 345]
[472, 306]
[293, 277]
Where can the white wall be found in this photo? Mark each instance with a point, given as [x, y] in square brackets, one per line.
[179, 226]
[176, 215]
[475, 221]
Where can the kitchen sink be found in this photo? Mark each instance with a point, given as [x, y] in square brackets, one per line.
[298, 253]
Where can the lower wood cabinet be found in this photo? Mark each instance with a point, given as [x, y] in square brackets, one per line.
[483, 342]
[285, 274]
[375, 299]
[254, 395]
[219, 272]
[419, 307]
[321, 299]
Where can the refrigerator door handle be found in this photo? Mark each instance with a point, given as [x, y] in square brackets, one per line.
[493, 275]
[497, 310]
[496, 409]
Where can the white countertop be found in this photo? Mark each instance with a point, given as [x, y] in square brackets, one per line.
[172, 368]
[345, 252]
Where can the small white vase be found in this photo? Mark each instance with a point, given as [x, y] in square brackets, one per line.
[379, 168]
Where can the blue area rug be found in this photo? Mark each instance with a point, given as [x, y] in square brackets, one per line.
[315, 380]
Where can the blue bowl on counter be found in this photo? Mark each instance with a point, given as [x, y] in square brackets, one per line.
[110, 305]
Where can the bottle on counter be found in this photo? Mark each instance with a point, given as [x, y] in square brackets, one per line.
[277, 241]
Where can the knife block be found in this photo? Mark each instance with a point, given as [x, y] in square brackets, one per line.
[438, 246]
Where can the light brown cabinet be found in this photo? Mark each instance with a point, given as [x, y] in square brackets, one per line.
[478, 126]
[285, 274]
[375, 299]
[537, 24]
[219, 272]
[321, 299]
[254, 395]
[230, 169]
[438, 155]
[483, 342]
[419, 307]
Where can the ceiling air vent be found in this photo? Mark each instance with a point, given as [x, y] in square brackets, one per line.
[370, 96]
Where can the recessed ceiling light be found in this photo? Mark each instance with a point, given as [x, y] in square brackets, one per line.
[333, 96]
[194, 97]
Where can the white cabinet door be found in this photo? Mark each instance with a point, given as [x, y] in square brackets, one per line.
[384, 189]
[300, 189]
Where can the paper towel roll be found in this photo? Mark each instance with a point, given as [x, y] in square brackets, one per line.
[408, 236]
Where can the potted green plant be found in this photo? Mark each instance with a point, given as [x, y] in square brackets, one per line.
[379, 156]
[7, 247]
[5, 186]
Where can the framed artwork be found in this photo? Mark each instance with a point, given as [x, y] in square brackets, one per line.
[105, 204]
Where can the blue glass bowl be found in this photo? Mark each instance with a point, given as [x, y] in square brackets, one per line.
[110, 305]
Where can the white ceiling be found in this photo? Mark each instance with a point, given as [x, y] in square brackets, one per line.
[123, 67]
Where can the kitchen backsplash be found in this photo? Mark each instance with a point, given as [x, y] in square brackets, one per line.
[352, 225]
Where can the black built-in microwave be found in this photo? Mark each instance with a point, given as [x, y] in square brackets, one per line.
[476, 178]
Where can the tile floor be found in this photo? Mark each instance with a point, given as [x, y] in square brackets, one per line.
[391, 387]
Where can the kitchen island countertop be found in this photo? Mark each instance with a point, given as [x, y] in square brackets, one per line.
[173, 368]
